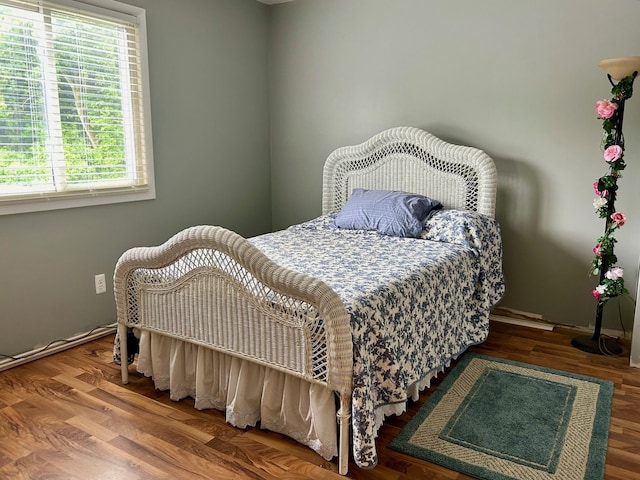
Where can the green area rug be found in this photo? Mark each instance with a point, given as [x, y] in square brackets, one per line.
[495, 419]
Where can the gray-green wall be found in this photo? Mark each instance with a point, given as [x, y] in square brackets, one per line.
[248, 100]
[517, 79]
[209, 100]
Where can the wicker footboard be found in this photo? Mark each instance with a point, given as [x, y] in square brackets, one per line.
[210, 286]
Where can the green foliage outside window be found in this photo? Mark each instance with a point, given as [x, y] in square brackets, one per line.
[88, 112]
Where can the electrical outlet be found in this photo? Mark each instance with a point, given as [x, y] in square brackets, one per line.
[101, 283]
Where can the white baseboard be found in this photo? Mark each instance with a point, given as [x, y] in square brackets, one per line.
[56, 347]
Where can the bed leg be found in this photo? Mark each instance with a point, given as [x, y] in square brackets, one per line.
[124, 366]
[344, 416]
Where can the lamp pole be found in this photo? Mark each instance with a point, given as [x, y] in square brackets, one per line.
[622, 68]
[605, 344]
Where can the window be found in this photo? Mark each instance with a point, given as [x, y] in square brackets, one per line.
[75, 124]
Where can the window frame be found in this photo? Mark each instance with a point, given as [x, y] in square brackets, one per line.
[103, 196]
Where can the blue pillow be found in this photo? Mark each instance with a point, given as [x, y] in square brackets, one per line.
[399, 214]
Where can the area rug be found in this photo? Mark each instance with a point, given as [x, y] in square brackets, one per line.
[495, 419]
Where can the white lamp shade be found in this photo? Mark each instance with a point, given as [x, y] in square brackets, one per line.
[622, 67]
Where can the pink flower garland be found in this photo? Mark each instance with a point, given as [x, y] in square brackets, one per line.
[611, 281]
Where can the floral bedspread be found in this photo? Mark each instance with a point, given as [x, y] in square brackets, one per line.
[415, 304]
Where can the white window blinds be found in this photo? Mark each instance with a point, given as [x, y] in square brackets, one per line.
[73, 117]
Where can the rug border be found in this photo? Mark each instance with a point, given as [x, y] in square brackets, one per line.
[598, 444]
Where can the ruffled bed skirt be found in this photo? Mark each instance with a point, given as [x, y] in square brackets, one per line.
[248, 393]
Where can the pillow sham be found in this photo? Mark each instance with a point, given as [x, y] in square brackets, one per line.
[388, 212]
[481, 235]
[461, 227]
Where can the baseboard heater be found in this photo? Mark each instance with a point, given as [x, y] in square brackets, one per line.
[57, 346]
[518, 317]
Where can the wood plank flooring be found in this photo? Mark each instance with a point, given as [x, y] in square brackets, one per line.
[68, 417]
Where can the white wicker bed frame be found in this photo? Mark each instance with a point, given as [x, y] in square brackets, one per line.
[231, 298]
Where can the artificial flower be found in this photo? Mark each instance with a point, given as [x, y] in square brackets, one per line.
[613, 153]
[596, 191]
[618, 218]
[597, 250]
[605, 108]
[596, 294]
[614, 273]
[599, 202]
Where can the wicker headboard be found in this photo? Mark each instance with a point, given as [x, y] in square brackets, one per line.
[412, 160]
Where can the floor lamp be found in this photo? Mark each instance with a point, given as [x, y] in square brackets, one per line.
[624, 71]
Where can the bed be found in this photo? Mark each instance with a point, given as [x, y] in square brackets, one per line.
[297, 328]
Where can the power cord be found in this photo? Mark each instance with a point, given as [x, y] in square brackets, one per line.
[604, 349]
[604, 339]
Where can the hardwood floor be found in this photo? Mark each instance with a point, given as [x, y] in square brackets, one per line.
[68, 417]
